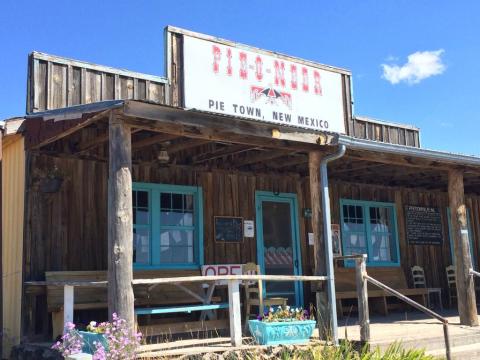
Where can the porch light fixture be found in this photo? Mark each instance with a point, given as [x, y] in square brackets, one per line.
[163, 157]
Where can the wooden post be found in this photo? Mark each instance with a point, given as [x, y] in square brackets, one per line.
[68, 301]
[120, 221]
[235, 314]
[362, 295]
[322, 307]
[467, 308]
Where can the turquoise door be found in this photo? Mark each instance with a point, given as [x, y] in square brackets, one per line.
[278, 247]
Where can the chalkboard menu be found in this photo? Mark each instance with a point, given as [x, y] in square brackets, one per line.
[228, 229]
[424, 225]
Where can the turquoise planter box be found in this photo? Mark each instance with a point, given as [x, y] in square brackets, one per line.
[89, 338]
[285, 332]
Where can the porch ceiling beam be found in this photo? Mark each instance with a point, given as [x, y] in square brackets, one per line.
[186, 144]
[349, 168]
[298, 160]
[217, 128]
[260, 157]
[91, 144]
[407, 161]
[155, 139]
[225, 151]
[70, 130]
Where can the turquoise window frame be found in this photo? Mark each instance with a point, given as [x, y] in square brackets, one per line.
[156, 227]
[366, 205]
[470, 238]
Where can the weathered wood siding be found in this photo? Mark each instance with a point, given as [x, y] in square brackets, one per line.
[371, 129]
[73, 221]
[13, 190]
[55, 82]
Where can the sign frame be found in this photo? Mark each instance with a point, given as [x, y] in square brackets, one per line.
[174, 63]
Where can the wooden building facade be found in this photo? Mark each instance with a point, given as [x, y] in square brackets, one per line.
[191, 167]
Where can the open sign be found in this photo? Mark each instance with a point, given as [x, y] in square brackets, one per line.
[220, 270]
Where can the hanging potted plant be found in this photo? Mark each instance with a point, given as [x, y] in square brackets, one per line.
[53, 180]
[283, 325]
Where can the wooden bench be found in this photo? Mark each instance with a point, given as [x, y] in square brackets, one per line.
[94, 297]
[379, 301]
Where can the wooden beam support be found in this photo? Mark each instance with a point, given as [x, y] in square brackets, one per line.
[120, 221]
[225, 151]
[297, 160]
[155, 139]
[89, 145]
[467, 307]
[186, 144]
[262, 156]
[213, 127]
[322, 307]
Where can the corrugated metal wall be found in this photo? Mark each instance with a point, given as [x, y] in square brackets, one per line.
[13, 190]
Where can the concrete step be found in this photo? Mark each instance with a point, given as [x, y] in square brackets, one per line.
[471, 352]
[432, 343]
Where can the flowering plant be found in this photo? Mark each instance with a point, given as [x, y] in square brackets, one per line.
[120, 342]
[286, 313]
[71, 341]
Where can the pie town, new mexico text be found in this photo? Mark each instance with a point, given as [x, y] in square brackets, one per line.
[232, 80]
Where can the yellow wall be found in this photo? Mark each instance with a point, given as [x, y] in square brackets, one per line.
[13, 190]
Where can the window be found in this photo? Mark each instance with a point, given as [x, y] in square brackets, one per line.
[167, 226]
[370, 228]
[470, 238]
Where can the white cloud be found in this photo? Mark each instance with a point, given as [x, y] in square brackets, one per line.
[420, 65]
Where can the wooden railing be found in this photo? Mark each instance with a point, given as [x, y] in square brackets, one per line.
[362, 280]
[233, 282]
[474, 273]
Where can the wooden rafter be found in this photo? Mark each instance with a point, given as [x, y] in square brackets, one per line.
[155, 139]
[225, 151]
[260, 157]
[297, 160]
[186, 144]
[93, 143]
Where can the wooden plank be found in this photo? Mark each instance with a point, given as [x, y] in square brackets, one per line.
[467, 307]
[221, 152]
[155, 139]
[120, 222]
[186, 144]
[183, 327]
[234, 312]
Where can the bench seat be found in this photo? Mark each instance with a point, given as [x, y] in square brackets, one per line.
[380, 301]
[179, 309]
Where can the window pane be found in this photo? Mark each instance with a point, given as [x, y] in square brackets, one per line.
[141, 246]
[381, 249]
[355, 244]
[177, 201]
[142, 199]
[176, 246]
[166, 201]
[380, 219]
[353, 218]
[141, 217]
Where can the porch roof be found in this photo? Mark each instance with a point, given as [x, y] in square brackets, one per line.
[366, 161]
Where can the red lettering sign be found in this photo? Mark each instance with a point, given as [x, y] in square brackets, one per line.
[258, 68]
[216, 58]
[317, 86]
[243, 65]
[279, 73]
[293, 73]
[229, 63]
[305, 79]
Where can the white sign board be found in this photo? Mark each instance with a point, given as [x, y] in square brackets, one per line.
[248, 228]
[234, 81]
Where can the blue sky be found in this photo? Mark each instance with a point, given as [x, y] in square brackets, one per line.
[436, 88]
